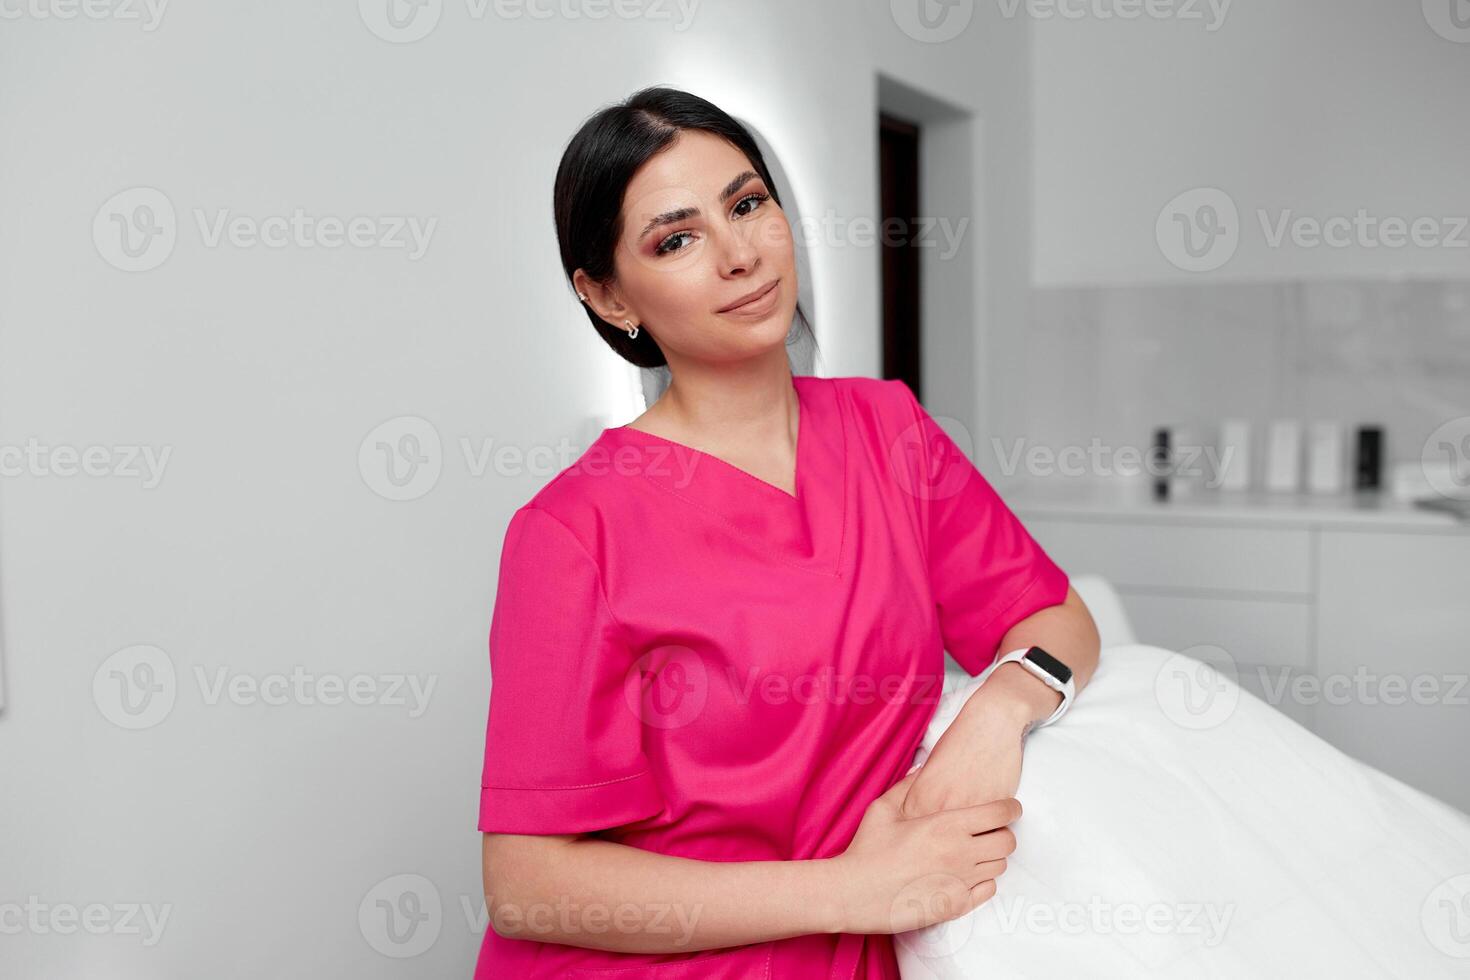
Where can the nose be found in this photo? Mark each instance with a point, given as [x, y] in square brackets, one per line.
[737, 250]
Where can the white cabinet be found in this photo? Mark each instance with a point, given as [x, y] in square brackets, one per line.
[1165, 556]
[1393, 616]
[1353, 621]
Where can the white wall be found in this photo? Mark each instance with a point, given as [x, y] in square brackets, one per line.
[263, 828]
[1316, 107]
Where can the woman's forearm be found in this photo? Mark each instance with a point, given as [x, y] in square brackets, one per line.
[589, 892]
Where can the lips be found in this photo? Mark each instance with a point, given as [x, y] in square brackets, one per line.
[749, 298]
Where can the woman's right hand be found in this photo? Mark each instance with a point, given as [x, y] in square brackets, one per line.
[901, 874]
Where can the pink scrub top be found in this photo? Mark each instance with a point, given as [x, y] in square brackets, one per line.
[689, 660]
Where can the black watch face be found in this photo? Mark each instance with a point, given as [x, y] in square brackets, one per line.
[1050, 664]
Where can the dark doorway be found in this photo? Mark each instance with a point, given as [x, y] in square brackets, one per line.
[898, 182]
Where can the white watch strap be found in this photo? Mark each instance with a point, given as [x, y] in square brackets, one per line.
[1065, 690]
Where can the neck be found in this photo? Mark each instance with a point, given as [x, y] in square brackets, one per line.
[752, 403]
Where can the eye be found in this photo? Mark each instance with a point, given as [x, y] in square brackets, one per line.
[665, 246]
[756, 197]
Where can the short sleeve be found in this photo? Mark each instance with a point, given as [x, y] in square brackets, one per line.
[986, 571]
[563, 746]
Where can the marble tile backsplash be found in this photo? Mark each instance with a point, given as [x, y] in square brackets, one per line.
[1111, 363]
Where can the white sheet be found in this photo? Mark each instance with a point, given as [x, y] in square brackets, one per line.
[1173, 832]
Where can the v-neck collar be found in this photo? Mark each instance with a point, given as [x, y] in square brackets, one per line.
[804, 529]
[801, 425]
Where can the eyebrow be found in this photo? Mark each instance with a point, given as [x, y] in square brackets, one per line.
[683, 214]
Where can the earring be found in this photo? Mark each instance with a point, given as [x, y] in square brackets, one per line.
[632, 334]
[582, 297]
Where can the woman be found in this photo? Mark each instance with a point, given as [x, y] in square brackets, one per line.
[718, 636]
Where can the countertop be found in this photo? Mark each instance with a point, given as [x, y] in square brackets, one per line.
[1101, 499]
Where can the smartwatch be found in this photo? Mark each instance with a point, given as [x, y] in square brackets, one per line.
[1052, 672]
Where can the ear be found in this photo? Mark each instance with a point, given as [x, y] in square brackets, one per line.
[603, 299]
